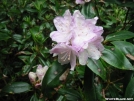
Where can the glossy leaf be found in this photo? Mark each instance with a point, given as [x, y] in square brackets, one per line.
[51, 79]
[130, 89]
[60, 98]
[97, 67]
[88, 10]
[125, 47]
[33, 56]
[34, 98]
[115, 58]
[70, 94]
[122, 35]
[18, 38]
[17, 87]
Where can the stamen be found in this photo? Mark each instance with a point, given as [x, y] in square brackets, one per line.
[65, 56]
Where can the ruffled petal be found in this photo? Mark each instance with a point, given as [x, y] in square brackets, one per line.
[93, 52]
[62, 25]
[60, 37]
[79, 2]
[92, 21]
[67, 15]
[83, 56]
[98, 30]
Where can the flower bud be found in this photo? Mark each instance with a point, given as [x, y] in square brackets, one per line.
[41, 71]
[32, 76]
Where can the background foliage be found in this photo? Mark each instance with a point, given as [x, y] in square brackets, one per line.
[24, 43]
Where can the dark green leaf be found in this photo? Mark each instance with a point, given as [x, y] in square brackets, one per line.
[4, 36]
[33, 56]
[115, 58]
[128, 4]
[128, 76]
[60, 98]
[122, 35]
[18, 38]
[51, 79]
[125, 47]
[88, 10]
[97, 67]
[42, 61]
[70, 94]
[81, 70]
[17, 87]
[130, 89]
[34, 98]
[26, 69]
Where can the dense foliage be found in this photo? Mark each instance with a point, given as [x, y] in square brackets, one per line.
[25, 43]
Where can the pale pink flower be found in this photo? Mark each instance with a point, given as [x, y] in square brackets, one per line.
[76, 37]
[63, 26]
[81, 1]
[66, 54]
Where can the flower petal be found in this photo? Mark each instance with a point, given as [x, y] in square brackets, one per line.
[92, 21]
[73, 60]
[79, 2]
[98, 30]
[83, 56]
[60, 37]
[93, 52]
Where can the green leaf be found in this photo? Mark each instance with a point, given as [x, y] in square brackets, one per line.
[97, 67]
[122, 35]
[70, 94]
[26, 69]
[44, 53]
[17, 87]
[60, 98]
[34, 98]
[128, 76]
[80, 70]
[113, 1]
[130, 89]
[18, 38]
[4, 36]
[33, 56]
[128, 4]
[115, 58]
[25, 59]
[125, 47]
[88, 10]
[51, 79]
[42, 61]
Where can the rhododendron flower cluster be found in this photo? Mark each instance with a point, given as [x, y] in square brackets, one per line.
[76, 37]
[81, 1]
[37, 77]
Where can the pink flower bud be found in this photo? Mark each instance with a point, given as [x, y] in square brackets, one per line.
[32, 76]
[41, 71]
